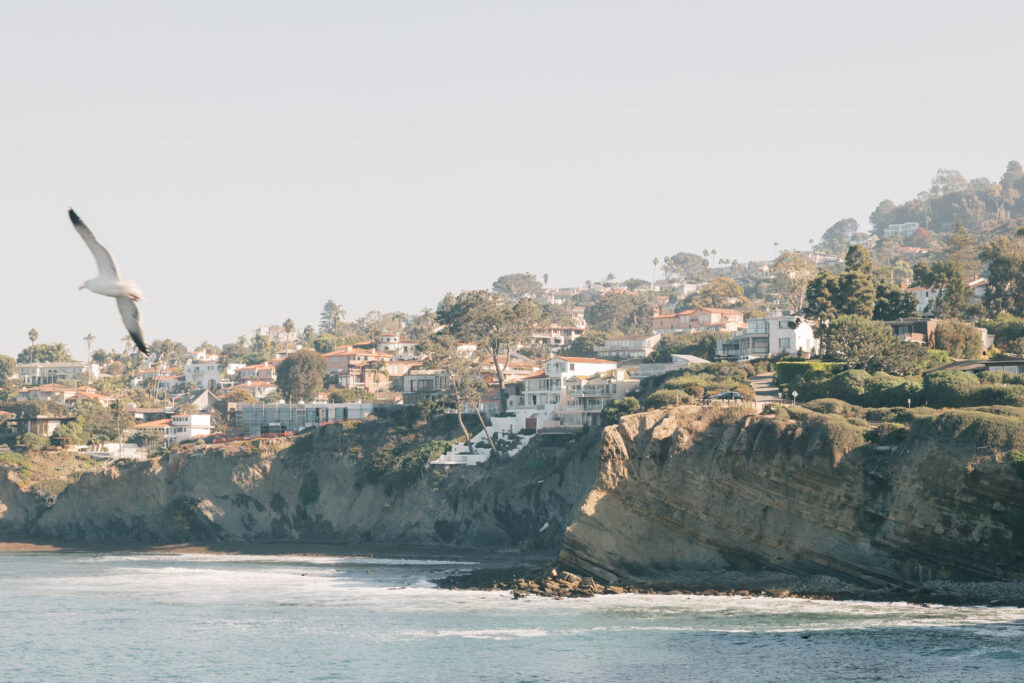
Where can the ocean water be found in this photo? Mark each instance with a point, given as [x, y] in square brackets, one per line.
[134, 616]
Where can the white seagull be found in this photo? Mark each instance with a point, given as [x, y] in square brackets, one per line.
[109, 283]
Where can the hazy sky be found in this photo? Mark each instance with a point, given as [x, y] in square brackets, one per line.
[246, 161]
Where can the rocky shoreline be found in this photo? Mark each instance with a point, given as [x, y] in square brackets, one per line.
[557, 582]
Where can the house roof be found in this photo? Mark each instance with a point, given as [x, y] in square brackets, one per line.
[50, 388]
[154, 424]
[577, 359]
[709, 309]
[634, 336]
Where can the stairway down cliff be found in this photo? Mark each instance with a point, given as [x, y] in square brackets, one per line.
[696, 490]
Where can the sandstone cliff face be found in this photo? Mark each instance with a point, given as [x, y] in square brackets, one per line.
[309, 491]
[682, 490]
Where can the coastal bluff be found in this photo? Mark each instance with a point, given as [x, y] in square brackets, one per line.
[687, 490]
[663, 496]
[313, 489]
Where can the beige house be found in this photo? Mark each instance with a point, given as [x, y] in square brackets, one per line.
[704, 319]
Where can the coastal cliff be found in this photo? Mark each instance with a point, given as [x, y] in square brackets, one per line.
[661, 497]
[691, 490]
[318, 488]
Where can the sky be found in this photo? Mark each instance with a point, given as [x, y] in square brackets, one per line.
[247, 161]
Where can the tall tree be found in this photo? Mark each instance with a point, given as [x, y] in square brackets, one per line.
[1009, 186]
[494, 323]
[618, 312]
[948, 180]
[686, 267]
[893, 303]
[860, 342]
[962, 248]
[45, 353]
[300, 377]
[515, 286]
[463, 384]
[858, 258]
[836, 239]
[330, 317]
[89, 339]
[33, 335]
[947, 277]
[7, 368]
[1005, 259]
[856, 294]
[790, 274]
[821, 298]
[959, 339]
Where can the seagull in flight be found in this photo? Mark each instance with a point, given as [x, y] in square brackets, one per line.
[109, 283]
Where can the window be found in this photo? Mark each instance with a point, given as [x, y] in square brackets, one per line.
[783, 324]
[783, 343]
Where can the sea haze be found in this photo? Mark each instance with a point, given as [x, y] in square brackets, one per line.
[83, 616]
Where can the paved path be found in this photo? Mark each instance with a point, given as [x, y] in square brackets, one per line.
[765, 388]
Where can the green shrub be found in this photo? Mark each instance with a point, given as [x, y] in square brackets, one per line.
[833, 406]
[787, 371]
[989, 395]
[667, 397]
[613, 411]
[902, 415]
[975, 428]
[950, 388]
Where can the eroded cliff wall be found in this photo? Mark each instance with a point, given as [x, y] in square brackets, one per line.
[309, 491]
[687, 489]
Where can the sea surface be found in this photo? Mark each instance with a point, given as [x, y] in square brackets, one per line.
[140, 616]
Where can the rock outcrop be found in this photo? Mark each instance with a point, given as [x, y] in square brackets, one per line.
[687, 489]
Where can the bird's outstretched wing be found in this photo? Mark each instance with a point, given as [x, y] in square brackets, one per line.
[103, 258]
[132, 321]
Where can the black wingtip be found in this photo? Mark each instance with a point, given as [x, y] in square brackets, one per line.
[74, 216]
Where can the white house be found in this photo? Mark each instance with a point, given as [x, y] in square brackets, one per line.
[548, 387]
[205, 374]
[925, 296]
[179, 428]
[901, 229]
[49, 373]
[768, 337]
[392, 343]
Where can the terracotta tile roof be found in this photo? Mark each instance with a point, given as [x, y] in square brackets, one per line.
[575, 359]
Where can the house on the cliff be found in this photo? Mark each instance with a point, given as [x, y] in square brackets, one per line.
[769, 337]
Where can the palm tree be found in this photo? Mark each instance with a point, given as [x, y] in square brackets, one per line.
[33, 335]
[545, 278]
[654, 270]
[89, 339]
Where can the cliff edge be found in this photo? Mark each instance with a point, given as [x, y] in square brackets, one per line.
[690, 489]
